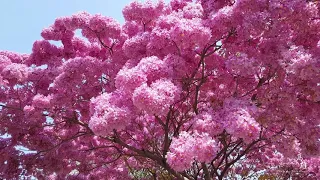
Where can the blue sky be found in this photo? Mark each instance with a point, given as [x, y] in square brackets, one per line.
[21, 21]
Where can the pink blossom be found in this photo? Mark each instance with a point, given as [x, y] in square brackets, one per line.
[142, 13]
[178, 4]
[108, 113]
[242, 65]
[4, 61]
[135, 47]
[154, 68]
[41, 101]
[15, 72]
[189, 147]
[156, 98]
[130, 79]
[239, 119]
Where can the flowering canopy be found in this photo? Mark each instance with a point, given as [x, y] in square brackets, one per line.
[193, 89]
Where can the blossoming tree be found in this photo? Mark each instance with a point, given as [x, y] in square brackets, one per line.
[203, 89]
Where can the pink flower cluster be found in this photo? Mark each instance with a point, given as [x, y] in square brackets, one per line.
[135, 46]
[147, 70]
[156, 98]
[209, 121]
[109, 111]
[239, 119]
[129, 79]
[179, 4]
[242, 65]
[143, 12]
[15, 73]
[184, 32]
[41, 101]
[186, 148]
[154, 68]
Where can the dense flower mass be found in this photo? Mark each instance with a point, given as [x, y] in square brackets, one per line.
[157, 98]
[109, 110]
[187, 148]
[190, 89]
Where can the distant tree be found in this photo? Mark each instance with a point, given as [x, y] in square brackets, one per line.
[206, 89]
